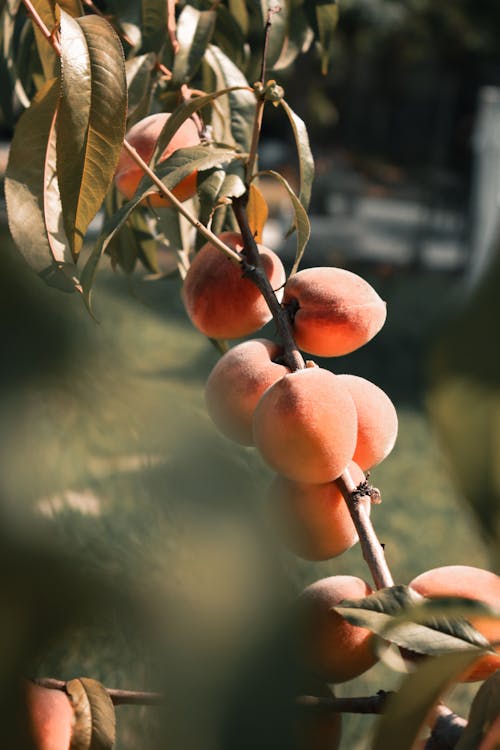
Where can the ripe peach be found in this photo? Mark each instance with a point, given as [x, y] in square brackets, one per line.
[377, 421]
[469, 583]
[237, 382]
[334, 311]
[143, 137]
[221, 303]
[305, 426]
[313, 519]
[50, 716]
[332, 648]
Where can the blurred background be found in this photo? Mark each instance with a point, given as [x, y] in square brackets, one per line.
[134, 540]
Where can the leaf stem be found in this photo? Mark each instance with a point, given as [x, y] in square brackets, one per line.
[172, 26]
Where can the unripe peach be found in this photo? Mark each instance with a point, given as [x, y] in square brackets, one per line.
[222, 303]
[334, 311]
[377, 421]
[305, 426]
[143, 137]
[50, 717]
[313, 519]
[236, 384]
[332, 648]
[468, 583]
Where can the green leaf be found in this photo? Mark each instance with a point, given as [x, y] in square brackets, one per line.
[402, 616]
[194, 31]
[299, 35]
[91, 122]
[95, 722]
[485, 709]
[229, 37]
[139, 86]
[407, 709]
[257, 212]
[182, 162]
[241, 102]
[239, 12]
[306, 161]
[32, 194]
[301, 218]
[327, 16]
[181, 114]
[153, 25]
[9, 78]
[278, 32]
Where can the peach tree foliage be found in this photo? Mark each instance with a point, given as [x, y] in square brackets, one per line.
[73, 97]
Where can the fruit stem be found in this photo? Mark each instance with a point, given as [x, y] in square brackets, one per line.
[118, 697]
[373, 552]
[252, 269]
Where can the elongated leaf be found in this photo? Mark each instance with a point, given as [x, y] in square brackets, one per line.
[91, 122]
[278, 32]
[31, 191]
[182, 163]
[239, 12]
[9, 79]
[181, 114]
[194, 31]
[229, 37]
[138, 71]
[241, 103]
[301, 218]
[327, 16]
[257, 212]
[306, 161]
[484, 711]
[401, 616]
[299, 35]
[95, 723]
[407, 709]
[153, 25]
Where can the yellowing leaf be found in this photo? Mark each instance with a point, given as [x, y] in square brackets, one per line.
[257, 212]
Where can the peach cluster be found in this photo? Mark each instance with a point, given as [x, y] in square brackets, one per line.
[309, 425]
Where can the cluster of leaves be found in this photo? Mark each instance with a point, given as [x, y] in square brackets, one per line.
[102, 73]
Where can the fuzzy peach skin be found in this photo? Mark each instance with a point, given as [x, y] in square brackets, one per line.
[236, 384]
[143, 137]
[220, 302]
[330, 647]
[334, 311]
[305, 426]
[377, 421]
[50, 716]
[469, 583]
[313, 519]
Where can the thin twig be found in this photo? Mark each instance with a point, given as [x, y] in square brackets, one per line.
[373, 704]
[118, 697]
[49, 35]
[172, 26]
[259, 109]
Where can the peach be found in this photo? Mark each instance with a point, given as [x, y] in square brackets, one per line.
[377, 421]
[305, 426]
[313, 519]
[334, 311]
[236, 384]
[468, 583]
[50, 716]
[221, 303]
[143, 137]
[332, 648]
